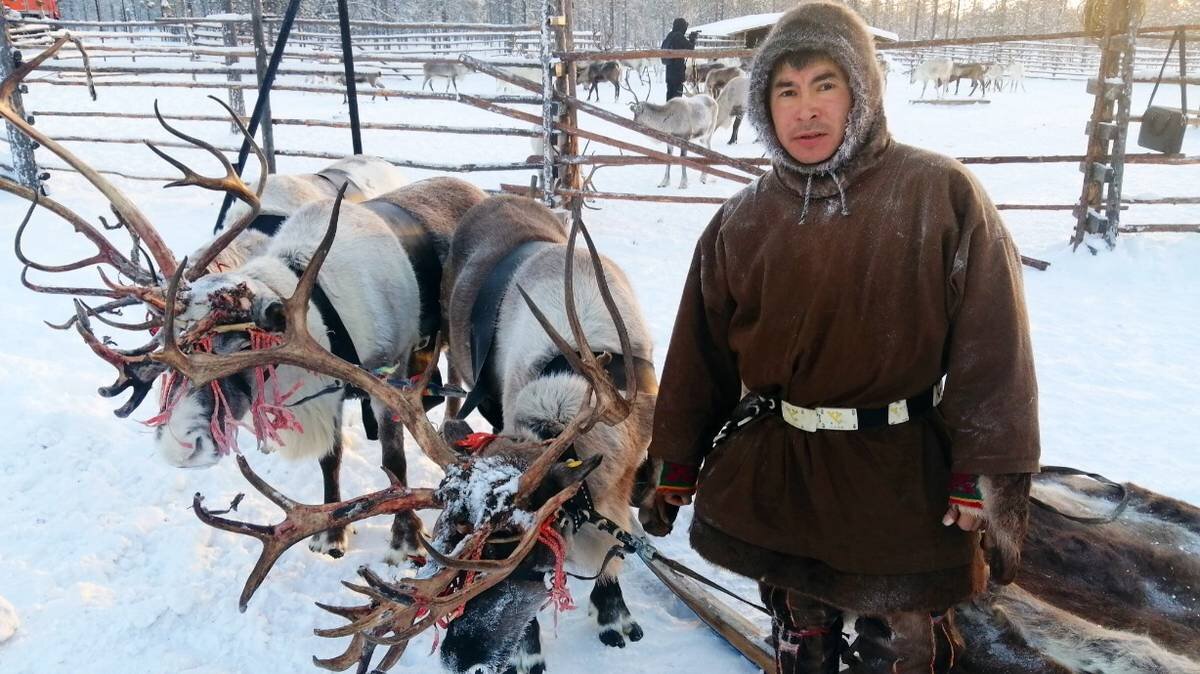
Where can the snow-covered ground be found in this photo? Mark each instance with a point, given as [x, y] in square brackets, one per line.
[107, 570]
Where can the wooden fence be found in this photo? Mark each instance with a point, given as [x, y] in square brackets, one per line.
[215, 53]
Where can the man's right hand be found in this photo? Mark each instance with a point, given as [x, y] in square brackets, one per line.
[658, 518]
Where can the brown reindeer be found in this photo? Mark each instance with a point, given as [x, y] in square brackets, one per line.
[598, 73]
[717, 78]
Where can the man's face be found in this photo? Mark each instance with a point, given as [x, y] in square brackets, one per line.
[809, 107]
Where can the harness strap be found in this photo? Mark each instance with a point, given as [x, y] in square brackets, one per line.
[422, 254]
[629, 543]
[340, 344]
[1122, 496]
[485, 313]
[336, 177]
[643, 370]
[267, 223]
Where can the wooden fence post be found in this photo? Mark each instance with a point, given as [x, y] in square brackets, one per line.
[24, 164]
[260, 66]
[549, 109]
[236, 100]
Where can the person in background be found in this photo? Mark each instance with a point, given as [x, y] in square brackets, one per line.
[676, 68]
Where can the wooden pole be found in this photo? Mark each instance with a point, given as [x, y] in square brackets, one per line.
[236, 100]
[23, 162]
[1160, 229]
[286, 121]
[348, 63]
[567, 83]
[549, 110]
[260, 66]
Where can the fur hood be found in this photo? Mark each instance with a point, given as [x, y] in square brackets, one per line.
[837, 31]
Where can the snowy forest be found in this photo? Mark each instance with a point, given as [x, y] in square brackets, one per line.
[639, 23]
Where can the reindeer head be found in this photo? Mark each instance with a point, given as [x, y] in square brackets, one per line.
[638, 104]
[198, 424]
[138, 282]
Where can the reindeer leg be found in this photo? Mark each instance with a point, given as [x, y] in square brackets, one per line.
[528, 657]
[407, 525]
[608, 605]
[667, 176]
[737, 121]
[616, 92]
[683, 170]
[332, 542]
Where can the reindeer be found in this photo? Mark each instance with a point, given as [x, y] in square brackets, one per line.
[283, 194]
[373, 273]
[608, 71]
[450, 71]
[976, 72]
[642, 67]
[936, 70]
[384, 272]
[1015, 74]
[717, 78]
[686, 117]
[731, 105]
[514, 248]
[697, 72]
[364, 78]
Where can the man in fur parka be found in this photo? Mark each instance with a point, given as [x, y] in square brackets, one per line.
[858, 313]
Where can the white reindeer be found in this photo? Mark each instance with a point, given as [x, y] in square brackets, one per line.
[367, 177]
[1014, 74]
[448, 71]
[690, 118]
[936, 70]
[731, 105]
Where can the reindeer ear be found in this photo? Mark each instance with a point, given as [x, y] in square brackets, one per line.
[564, 474]
[269, 315]
[454, 430]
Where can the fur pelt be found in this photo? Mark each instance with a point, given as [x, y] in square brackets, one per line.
[1005, 519]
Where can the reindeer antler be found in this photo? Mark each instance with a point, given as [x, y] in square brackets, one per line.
[629, 88]
[127, 211]
[230, 183]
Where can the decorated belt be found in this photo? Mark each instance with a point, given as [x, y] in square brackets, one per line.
[812, 419]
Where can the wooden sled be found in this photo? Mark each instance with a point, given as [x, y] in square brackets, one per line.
[731, 626]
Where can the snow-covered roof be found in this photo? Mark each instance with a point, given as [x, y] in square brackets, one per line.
[741, 24]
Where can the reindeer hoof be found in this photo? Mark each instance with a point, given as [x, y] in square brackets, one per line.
[404, 554]
[611, 637]
[634, 631]
[332, 542]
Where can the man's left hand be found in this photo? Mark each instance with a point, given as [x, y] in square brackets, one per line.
[967, 519]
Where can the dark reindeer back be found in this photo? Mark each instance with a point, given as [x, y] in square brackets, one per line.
[439, 203]
[486, 234]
